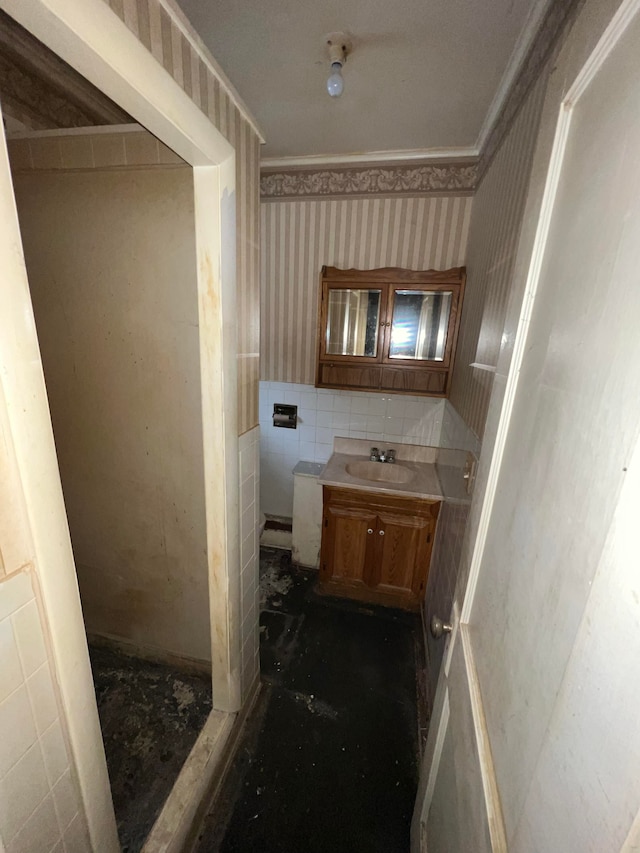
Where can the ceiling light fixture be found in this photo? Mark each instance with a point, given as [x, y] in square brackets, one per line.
[338, 46]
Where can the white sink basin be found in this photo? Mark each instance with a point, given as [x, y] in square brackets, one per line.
[380, 472]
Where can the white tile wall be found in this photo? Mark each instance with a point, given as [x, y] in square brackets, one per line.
[455, 433]
[39, 800]
[249, 449]
[324, 414]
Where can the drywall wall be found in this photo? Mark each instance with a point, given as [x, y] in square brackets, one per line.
[111, 262]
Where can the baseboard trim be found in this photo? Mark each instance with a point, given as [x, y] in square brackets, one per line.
[174, 824]
[150, 653]
[227, 755]
[178, 825]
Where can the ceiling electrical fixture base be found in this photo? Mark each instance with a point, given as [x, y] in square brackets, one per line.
[338, 47]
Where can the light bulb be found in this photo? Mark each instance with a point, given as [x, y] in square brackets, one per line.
[335, 83]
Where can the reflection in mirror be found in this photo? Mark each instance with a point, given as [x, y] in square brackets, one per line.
[352, 322]
[420, 322]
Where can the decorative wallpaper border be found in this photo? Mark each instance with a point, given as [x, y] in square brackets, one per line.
[460, 177]
[435, 178]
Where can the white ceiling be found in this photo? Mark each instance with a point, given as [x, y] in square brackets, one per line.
[422, 74]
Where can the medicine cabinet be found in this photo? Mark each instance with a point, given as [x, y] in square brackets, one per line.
[392, 330]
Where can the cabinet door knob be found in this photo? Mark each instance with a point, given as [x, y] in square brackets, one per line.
[370, 530]
[381, 532]
[438, 627]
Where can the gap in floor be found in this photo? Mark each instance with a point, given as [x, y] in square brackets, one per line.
[329, 757]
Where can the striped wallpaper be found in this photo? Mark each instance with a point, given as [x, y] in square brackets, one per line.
[161, 27]
[298, 237]
[498, 207]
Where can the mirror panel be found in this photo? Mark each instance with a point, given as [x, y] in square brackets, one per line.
[419, 324]
[352, 322]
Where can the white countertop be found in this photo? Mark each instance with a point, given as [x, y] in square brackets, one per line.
[424, 484]
[437, 473]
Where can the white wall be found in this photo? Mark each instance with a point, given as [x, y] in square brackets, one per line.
[554, 621]
[111, 263]
[556, 614]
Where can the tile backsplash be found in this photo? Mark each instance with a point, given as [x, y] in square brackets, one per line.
[455, 433]
[40, 807]
[324, 414]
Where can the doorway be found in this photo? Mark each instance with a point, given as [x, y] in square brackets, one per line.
[110, 255]
[130, 74]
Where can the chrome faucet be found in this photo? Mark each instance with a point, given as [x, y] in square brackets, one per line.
[376, 455]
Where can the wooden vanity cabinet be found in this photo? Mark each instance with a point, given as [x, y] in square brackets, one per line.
[389, 330]
[376, 547]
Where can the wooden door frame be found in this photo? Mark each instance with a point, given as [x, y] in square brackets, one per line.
[94, 41]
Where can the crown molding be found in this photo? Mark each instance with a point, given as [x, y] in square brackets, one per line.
[400, 156]
[514, 66]
[551, 34]
[429, 171]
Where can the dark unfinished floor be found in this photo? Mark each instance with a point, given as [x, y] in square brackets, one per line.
[150, 716]
[329, 758]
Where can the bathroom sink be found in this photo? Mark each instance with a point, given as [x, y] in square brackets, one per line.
[380, 472]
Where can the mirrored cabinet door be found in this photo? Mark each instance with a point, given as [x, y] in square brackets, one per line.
[353, 316]
[419, 324]
[388, 330]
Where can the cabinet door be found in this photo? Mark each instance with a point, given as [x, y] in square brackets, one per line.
[347, 542]
[402, 559]
[423, 321]
[352, 322]
[388, 329]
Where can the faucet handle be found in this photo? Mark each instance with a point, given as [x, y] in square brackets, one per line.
[391, 455]
[374, 454]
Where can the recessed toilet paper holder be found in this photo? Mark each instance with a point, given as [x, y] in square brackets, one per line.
[285, 416]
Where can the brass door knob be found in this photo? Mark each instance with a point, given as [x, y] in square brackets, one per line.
[438, 627]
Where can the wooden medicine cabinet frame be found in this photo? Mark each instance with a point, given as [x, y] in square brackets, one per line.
[381, 372]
